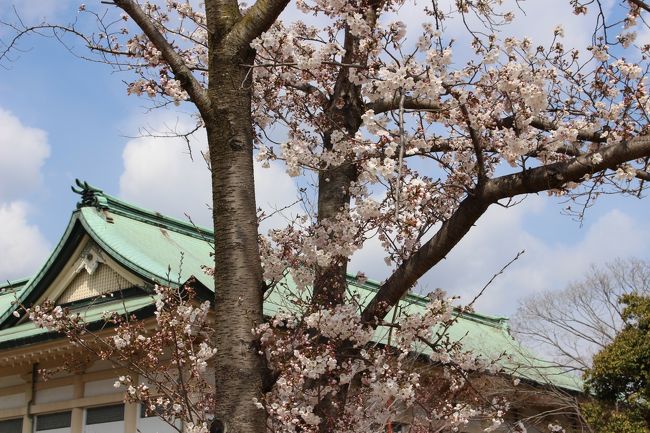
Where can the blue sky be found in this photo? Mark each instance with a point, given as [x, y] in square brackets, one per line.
[63, 118]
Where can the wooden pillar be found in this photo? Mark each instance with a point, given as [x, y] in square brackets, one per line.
[27, 418]
[131, 414]
[77, 417]
[130, 417]
[30, 395]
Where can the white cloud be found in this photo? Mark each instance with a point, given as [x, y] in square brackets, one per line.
[159, 174]
[274, 190]
[497, 238]
[23, 151]
[544, 266]
[22, 246]
[32, 11]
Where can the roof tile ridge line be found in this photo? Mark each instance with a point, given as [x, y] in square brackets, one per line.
[146, 215]
[122, 259]
[498, 322]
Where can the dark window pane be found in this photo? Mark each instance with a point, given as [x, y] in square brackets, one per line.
[53, 420]
[11, 425]
[98, 415]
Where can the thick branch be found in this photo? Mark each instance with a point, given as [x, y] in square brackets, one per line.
[556, 175]
[643, 175]
[257, 20]
[470, 210]
[181, 71]
[641, 4]
[410, 103]
[429, 254]
[476, 143]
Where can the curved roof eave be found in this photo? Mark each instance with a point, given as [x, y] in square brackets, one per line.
[71, 237]
[73, 234]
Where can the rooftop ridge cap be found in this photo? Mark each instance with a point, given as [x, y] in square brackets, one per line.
[129, 210]
[498, 322]
[95, 197]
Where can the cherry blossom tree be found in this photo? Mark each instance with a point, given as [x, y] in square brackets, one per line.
[409, 142]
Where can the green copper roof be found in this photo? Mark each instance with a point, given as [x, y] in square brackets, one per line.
[92, 313]
[169, 251]
[481, 334]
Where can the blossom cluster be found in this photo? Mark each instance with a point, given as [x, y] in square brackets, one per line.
[167, 358]
[501, 105]
[323, 357]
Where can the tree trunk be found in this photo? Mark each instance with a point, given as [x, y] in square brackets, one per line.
[330, 281]
[238, 271]
[345, 111]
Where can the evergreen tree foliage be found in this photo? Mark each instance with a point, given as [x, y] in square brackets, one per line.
[620, 375]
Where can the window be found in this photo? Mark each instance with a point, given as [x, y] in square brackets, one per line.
[104, 414]
[11, 425]
[52, 421]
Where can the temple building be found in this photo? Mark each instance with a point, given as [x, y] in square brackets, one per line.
[109, 258]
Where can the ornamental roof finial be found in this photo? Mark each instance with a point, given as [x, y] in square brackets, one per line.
[90, 196]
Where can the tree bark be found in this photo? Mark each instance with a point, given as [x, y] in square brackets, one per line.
[238, 271]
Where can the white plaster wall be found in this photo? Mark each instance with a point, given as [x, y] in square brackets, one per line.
[101, 387]
[99, 366]
[12, 380]
[12, 401]
[154, 424]
[49, 395]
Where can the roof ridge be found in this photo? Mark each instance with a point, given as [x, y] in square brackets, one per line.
[499, 322]
[94, 197]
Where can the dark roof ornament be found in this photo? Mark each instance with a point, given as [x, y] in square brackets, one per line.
[90, 196]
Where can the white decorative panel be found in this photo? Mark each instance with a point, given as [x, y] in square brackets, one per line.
[99, 366]
[102, 281]
[154, 425]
